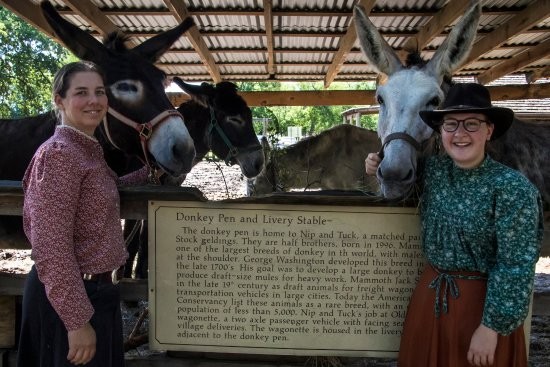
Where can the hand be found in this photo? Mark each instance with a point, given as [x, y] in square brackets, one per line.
[483, 346]
[82, 344]
[371, 163]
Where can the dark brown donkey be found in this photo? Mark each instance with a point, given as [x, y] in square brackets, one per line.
[137, 101]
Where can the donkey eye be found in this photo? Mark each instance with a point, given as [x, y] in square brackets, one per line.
[434, 102]
[235, 120]
[128, 91]
[126, 87]
[379, 99]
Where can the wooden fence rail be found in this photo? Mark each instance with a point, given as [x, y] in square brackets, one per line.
[134, 201]
[134, 205]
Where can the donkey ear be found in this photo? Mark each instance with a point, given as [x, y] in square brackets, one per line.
[78, 41]
[378, 52]
[199, 93]
[155, 47]
[456, 47]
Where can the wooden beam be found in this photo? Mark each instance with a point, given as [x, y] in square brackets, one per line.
[345, 45]
[261, 33]
[282, 50]
[517, 62]
[179, 10]
[258, 12]
[93, 15]
[268, 21]
[30, 13]
[309, 98]
[279, 77]
[435, 26]
[514, 92]
[527, 18]
[365, 97]
[245, 64]
[135, 201]
[533, 76]
[7, 321]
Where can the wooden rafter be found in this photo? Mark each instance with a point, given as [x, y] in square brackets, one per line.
[516, 63]
[216, 11]
[346, 43]
[361, 97]
[527, 18]
[262, 50]
[447, 15]
[308, 34]
[261, 33]
[533, 76]
[86, 9]
[179, 10]
[268, 21]
[91, 14]
[31, 13]
[519, 37]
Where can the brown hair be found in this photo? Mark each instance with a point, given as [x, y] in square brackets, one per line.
[62, 79]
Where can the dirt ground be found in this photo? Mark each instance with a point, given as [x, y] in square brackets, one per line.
[218, 182]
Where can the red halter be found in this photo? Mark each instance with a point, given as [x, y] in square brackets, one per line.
[145, 130]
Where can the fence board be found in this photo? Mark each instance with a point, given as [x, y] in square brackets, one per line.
[133, 202]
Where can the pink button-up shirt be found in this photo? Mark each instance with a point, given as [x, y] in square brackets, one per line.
[71, 216]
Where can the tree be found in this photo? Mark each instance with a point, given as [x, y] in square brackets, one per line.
[312, 119]
[28, 60]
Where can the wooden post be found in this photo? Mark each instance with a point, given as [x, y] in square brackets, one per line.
[7, 321]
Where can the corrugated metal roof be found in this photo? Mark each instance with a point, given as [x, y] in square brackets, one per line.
[307, 35]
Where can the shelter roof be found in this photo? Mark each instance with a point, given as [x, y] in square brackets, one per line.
[312, 40]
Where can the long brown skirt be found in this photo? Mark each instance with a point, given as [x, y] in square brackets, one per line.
[430, 341]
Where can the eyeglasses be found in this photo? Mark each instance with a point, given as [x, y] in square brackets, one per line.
[470, 124]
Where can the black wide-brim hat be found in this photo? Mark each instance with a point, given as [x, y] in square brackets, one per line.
[475, 98]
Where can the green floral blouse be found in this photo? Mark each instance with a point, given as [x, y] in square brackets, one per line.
[486, 219]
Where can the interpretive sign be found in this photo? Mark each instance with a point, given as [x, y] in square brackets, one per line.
[281, 279]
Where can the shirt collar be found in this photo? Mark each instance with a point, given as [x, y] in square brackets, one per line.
[92, 138]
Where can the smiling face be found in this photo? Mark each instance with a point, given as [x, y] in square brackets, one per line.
[85, 102]
[467, 149]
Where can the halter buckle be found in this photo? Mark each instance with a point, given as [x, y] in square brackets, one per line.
[145, 131]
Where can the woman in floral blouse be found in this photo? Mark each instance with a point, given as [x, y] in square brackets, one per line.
[481, 235]
[71, 216]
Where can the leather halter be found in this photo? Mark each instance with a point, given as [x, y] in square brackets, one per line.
[233, 150]
[145, 130]
[395, 136]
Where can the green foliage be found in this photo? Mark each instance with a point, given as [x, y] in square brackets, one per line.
[312, 119]
[28, 60]
[369, 122]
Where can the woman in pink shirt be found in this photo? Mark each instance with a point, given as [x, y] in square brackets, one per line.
[71, 216]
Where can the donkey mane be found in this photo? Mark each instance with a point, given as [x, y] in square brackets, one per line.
[116, 41]
[227, 87]
[232, 105]
[414, 60]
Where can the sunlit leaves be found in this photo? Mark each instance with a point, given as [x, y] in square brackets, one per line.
[312, 119]
[28, 60]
